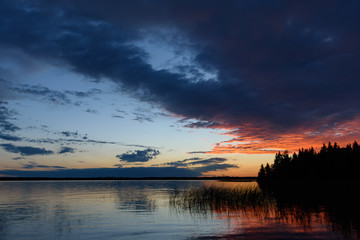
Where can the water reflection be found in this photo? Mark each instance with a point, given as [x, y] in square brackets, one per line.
[141, 210]
[95, 210]
[267, 214]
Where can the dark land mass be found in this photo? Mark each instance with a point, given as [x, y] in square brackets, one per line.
[332, 162]
[229, 179]
[310, 181]
[328, 178]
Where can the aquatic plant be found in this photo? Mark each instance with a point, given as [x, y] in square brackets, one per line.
[301, 205]
[221, 199]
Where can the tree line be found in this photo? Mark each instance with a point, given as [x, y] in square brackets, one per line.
[331, 162]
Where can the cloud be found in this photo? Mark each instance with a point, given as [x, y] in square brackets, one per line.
[92, 111]
[9, 137]
[203, 124]
[70, 134]
[147, 115]
[215, 167]
[140, 117]
[5, 116]
[202, 165]
[279, 67]
[209, 161]
[105, 172]
[53, 96]
[45, 93]
[137, 145]
[138, 155]
[31, 165]
[25, 150]
[117, 116]
[90, 93]
[196, 161]
[82, 140]
[65, 150]
[197, 152]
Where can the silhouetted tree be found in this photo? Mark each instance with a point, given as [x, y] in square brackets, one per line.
[332, 162]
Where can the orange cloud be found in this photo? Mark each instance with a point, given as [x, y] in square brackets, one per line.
[249, 139]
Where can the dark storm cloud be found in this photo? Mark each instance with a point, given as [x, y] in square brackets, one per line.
[279, 65]
[107, 172]
[138, 155]
[25, 150]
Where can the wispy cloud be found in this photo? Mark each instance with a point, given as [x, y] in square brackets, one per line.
[196, 161]
[54, 96]
[25, 150]
[6, 115]
[31, 165]
[65, 150]
[202, 165]
[82, 140]
[92, 111]
[140, 117]
[117, 116]
[197, 152]
[215, 167]
[9, 137]
[138, 155]
[70, 134]
[44, 93]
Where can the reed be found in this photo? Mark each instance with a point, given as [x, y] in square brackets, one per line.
[296, 203]
[223, 199]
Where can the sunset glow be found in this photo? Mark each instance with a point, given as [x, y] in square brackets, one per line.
[173, 88]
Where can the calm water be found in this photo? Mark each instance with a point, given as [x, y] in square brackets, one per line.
[136, 210]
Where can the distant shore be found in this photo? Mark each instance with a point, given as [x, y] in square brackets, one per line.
[227, 179]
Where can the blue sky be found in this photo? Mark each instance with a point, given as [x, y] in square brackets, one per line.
[86, 124]
[173, 88]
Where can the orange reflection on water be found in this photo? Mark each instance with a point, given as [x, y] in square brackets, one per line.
[253, 214]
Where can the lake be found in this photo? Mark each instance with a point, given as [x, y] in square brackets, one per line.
[143, 210]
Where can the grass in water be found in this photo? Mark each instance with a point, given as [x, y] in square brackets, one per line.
[223, 199]
[296, 205]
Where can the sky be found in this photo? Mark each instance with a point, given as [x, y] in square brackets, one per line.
[180, 88]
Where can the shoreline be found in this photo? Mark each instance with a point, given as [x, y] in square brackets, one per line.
[225, 179]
